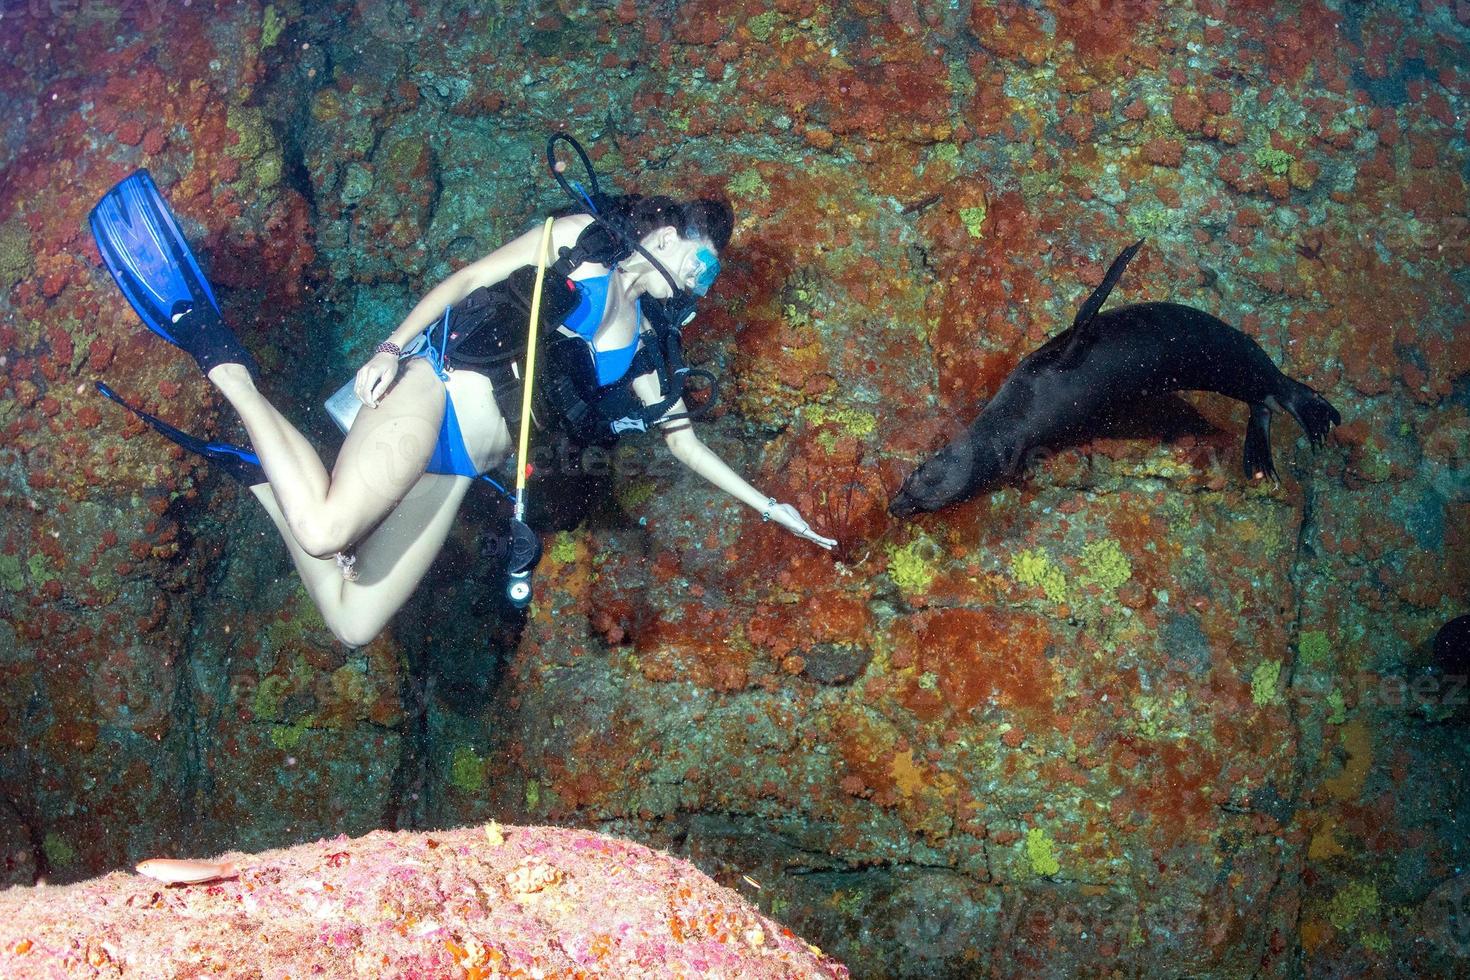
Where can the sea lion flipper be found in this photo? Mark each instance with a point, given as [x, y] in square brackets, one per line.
[1314, 413]
[1083, 327]
[1258, 462]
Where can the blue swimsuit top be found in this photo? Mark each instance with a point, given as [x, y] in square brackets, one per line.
[587, 317]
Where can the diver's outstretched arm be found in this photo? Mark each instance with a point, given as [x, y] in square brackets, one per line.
[690, 450]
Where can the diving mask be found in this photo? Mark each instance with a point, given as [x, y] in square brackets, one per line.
[699, 270]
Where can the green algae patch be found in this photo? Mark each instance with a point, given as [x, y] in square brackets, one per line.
[762, 25]
[16, 261]
[40, 571]
[257, 149]
[1146, 716]
[564, 548]
[533, 794]
[912, 566]
[635, 494]
[1352, 903]
[271, 26]
[856, 423]
[58, 852]
[1338, 706]
[1105, 564]
[1274, 161]
[1263, 683]
[268, 697]
[1155, 221]
[974, 220]
[1032, 568]
[1157, 717]
[1039, 852]
[287, 737]
[12, 579]
[467, 770]
[1314, 647]
[748, 183]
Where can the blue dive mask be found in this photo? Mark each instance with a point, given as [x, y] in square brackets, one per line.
[699, 271]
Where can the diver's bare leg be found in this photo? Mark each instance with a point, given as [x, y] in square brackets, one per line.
[391, 560]
[381, 459]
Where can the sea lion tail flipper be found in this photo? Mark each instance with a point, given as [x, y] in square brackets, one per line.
[1314, 413]
[1258, 462]
[1082, 330]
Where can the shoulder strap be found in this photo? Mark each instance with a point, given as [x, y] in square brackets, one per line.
[595, 244]
[1084, 328]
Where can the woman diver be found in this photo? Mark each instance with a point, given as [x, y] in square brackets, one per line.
[363, 536]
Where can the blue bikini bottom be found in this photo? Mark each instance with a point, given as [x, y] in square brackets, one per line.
[450, 455]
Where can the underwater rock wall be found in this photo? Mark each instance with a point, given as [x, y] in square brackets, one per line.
[1133, 713]
[152, 638]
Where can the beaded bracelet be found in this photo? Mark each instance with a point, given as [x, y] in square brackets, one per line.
[770, 503]
[388, 347]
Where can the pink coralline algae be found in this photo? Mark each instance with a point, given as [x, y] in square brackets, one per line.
[478, 902]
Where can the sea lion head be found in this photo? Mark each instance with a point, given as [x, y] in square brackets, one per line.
[954, 473]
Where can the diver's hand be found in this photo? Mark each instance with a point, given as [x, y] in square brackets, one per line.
[788, 517]
[374, 379]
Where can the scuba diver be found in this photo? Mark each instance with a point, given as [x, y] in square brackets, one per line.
[614, 284]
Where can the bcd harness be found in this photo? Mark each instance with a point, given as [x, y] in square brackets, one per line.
[486, 333]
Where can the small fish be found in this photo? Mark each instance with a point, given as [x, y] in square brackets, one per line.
[175, 871]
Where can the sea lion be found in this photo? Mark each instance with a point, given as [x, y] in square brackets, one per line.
[1103, 362]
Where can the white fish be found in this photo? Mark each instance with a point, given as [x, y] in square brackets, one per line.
[178, 871]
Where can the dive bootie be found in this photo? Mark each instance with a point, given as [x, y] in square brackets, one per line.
[152, 264]
[242, 464]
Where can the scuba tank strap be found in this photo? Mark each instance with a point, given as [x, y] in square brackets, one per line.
[596, 244]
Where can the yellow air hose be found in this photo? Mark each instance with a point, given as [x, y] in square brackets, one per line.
[523, 467]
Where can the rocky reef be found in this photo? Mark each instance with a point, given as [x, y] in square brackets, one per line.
[1135, 714]
[512, 902]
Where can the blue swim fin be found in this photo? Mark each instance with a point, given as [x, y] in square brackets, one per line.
[240, 463]
[151, 261]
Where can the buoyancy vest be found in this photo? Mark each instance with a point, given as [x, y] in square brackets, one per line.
[487, 333]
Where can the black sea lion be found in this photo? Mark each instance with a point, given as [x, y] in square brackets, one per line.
[1104, 361]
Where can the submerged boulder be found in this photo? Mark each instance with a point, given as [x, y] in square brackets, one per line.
[480, 902]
